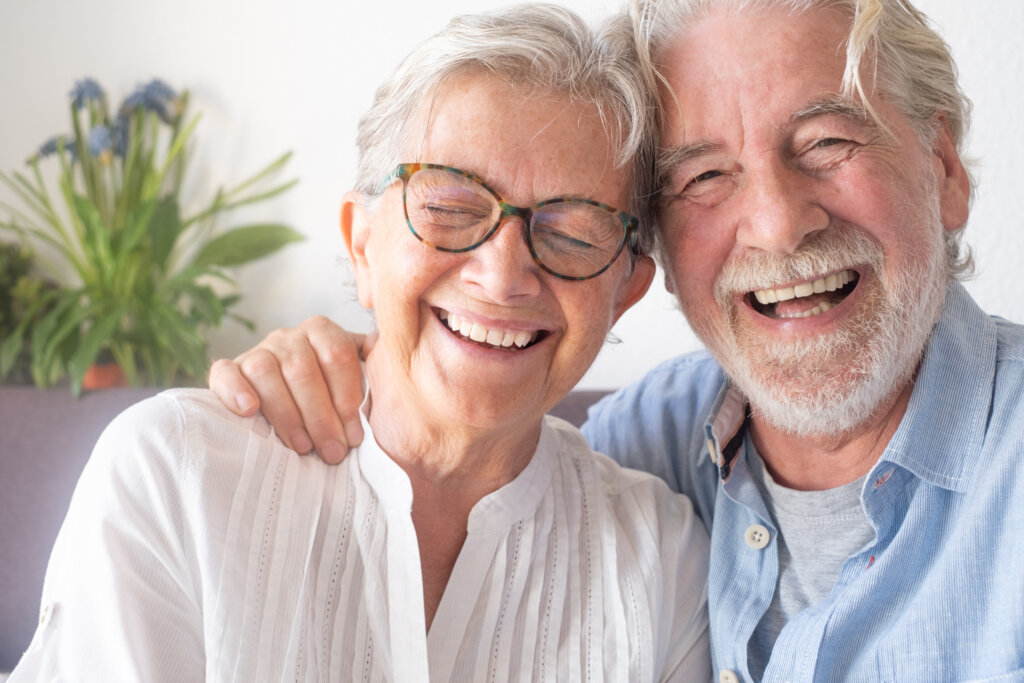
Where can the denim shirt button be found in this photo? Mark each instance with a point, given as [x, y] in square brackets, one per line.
[757, 536]
[726, 676]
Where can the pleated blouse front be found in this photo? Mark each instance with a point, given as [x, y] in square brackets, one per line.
[279, 567]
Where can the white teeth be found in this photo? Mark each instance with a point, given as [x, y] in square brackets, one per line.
[493, 336]
[524, 338]
[817, 310]
[830, 283]
[478, 333]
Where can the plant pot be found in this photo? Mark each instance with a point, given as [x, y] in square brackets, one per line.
[103, 376]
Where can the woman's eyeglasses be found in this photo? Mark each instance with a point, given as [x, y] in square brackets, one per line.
[454, 211]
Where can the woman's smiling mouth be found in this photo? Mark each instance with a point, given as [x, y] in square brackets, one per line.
[495, 337]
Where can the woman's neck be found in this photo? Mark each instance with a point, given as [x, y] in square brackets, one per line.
[442, 450]
[451, 467]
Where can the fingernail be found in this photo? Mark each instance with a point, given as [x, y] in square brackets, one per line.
[245, 401]
[354, 432]
[301, 442]
[332, 452]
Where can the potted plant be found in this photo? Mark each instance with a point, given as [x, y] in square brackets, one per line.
[140, 280]
[21, 288]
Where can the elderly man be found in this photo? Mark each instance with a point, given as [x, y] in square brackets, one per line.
[854, 439]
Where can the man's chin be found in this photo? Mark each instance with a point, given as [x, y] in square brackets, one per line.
[829, 409]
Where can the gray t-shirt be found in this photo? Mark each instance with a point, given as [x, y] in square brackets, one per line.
[818, 531]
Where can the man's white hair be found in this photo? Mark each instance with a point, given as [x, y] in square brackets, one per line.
[891, 45]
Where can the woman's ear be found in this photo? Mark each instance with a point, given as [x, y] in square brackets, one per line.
[636, 285]
[355, 232]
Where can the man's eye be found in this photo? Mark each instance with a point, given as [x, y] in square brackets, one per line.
[828, 142]
[706, 176]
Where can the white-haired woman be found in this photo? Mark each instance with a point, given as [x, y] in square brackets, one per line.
[469, 537]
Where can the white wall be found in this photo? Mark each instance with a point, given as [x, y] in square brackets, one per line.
[270, 77]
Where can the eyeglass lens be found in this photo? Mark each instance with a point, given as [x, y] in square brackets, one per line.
[455, 213]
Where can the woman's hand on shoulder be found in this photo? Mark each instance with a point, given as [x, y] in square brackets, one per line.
[308, 382]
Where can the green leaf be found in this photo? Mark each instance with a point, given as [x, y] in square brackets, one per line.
[13, 344]
[164, 228]
[245, 244]
[206, 306]
[10, 351]
[135, 226]
[96, 238]
[58, 325]
[89, 348]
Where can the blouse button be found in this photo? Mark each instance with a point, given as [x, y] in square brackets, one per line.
[757, 536]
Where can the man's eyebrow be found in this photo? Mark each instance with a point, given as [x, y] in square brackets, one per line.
[671, 157]
[835, 105]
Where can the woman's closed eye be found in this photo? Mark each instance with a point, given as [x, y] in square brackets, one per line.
[452, 214]
[554, 238]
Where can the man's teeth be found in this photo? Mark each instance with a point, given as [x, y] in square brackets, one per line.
[817, 310]
[492, 336]
[829, 283]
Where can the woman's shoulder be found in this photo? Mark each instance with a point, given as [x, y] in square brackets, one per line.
[186, 435]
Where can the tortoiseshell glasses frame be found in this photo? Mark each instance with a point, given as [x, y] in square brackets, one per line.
[572, 238]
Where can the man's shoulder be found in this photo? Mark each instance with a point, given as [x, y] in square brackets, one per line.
[657, 424]
[682, 390]
[1009, 341]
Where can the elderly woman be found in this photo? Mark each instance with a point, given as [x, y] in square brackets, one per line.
[469, 537]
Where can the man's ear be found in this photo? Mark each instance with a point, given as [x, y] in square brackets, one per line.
[954, 183]
[355, 232]
[635, 286]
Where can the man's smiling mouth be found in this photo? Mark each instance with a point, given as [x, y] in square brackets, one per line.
[806, 299]
[494, 337]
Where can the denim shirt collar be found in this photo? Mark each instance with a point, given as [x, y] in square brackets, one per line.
[941, 435]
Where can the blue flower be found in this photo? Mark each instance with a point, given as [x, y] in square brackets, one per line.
[155, 96]
[86, 90]
[119, 135]
[100, 140]
[50, 146]
[157, 90]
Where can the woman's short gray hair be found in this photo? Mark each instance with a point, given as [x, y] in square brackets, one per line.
[540, 46]
[912, 65]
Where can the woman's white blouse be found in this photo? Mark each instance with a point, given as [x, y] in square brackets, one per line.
[198, 547]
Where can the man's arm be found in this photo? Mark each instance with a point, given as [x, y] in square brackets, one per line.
[307, 380]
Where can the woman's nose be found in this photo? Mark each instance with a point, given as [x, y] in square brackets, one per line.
[502, 267]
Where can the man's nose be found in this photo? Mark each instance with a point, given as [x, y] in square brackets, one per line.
[503, 266]
[778, 209]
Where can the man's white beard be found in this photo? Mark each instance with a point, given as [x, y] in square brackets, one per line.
[832, 383]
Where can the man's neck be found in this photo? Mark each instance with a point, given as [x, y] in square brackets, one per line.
[819, 462]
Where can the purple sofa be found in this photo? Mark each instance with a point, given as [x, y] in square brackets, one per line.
[45, 438]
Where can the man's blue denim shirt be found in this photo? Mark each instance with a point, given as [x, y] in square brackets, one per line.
[939, 594]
